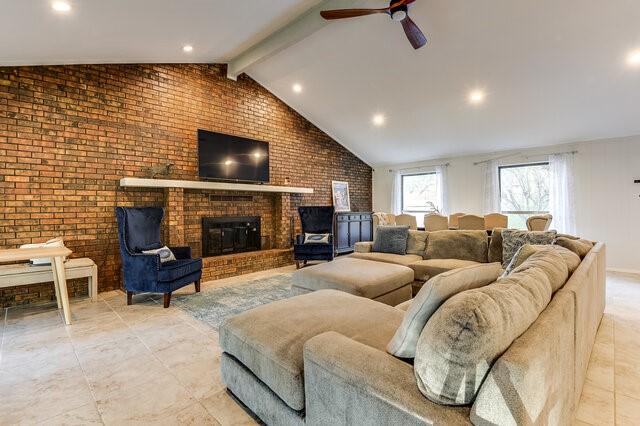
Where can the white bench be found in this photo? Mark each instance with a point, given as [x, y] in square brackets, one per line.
[26, 274]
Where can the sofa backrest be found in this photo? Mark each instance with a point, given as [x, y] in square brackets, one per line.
[462, 245]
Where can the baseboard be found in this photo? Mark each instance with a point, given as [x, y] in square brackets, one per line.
[624, 271]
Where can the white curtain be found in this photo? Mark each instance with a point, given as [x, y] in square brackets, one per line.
[396, 192]
[561, 193]
[491, 188]
[441, 185]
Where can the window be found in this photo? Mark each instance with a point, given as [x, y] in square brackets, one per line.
[419, 194]
[524, 191]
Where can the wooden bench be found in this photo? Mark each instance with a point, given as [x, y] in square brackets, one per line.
[26, 274]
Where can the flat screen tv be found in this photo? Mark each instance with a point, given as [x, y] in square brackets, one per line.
[232, 158]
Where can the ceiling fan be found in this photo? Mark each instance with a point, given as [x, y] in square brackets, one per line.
[397, 10]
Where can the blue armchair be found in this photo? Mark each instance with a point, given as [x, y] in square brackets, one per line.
[314, 220]
[138, 230]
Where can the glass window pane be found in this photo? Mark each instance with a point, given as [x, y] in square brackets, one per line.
[524, 190]
[419, 192]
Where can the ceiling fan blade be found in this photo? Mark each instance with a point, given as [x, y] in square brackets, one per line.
[350, 13]
[415, 36]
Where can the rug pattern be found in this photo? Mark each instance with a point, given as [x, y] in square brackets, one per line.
[215, 305]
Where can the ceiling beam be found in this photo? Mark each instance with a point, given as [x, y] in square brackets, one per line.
[298, 29]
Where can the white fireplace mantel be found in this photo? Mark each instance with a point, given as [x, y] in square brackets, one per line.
[130, 182]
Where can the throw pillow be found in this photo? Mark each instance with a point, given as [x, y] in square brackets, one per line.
[521, 255]
[550, 262]
[166, 255]
[495, 245]
[316, 238]
[580, 246]
[417, 242]
[464, 337]
[513, 239]
[433, 294]
[391, 239]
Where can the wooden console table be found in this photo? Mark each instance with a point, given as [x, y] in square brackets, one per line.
[56, 254]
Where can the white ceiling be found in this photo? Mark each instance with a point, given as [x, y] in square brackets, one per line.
[134, 31]
[554, 72]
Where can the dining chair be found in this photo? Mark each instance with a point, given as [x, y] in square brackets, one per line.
[539, 222]
[435, 222]
[453, 220]
[495, 220]
[471, 221]
[407, 220]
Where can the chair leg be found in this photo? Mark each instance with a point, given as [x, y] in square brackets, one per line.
[197, 284]
[297, 264]
[167, 299]
[129, 297]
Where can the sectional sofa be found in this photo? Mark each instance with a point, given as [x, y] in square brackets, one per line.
[322, 357]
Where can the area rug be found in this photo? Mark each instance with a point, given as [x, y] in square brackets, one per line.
[215, 305]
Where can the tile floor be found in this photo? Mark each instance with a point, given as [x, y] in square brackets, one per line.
[107, 367]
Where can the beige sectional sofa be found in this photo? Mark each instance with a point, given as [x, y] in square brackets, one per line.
[321, 358]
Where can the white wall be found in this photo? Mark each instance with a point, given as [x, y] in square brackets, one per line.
[607, 200]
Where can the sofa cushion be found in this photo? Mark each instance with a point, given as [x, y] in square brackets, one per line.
[471, 330]
[391, 239]
[495, 245]
[356, 276]
[463, 245]
[363, 247]
[417, 242]
[404, 306]
[579, 246]
[550, 262]
[269, 339]
[426, 269]
[175, 269]
[398, 259]
[513, 239]
[433, 294]
[570, 258]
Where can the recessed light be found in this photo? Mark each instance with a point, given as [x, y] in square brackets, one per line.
[61, 6]
[476, 97]
[633, 58]
[297, 88]
[378, 119]
[187, 48]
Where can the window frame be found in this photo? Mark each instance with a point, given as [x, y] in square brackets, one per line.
[402, 176]
[513, 166]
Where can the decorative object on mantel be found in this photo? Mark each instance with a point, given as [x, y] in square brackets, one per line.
[341, 200]
[287, 181]
[210, 186]
[160, 170]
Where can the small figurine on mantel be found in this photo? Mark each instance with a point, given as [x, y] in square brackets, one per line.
[163, 170]
[287, 181]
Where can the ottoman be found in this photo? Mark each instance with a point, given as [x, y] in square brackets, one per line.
[384, 282]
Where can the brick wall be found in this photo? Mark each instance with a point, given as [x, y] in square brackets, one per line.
[69, 133]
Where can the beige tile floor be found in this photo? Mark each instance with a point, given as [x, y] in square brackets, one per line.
[119, 364]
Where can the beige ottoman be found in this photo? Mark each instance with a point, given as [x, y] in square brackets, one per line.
[384, 282]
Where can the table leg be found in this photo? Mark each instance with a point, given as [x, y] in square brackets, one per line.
[62, 282]
[56, 286]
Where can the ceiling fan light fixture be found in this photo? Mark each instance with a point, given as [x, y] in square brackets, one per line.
[399, 15]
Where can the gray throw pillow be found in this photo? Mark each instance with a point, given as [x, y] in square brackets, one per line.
[433, 294]
[391, 239]
[513, 239]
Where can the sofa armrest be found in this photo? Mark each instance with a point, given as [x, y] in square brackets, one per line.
[364, 247]
[181, 252]
[347, 382]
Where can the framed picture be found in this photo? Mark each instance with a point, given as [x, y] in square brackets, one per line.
[340, 191]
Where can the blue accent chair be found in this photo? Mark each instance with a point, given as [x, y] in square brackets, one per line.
[138, 230]
[314, 220]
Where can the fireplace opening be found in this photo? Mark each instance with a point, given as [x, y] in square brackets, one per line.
[230, 234]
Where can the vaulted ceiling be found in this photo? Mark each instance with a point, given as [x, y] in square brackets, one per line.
[551, 71]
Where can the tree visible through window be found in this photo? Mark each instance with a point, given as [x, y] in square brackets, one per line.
[419, 194]
[524, 191]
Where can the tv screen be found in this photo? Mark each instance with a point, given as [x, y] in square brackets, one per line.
[232, 158]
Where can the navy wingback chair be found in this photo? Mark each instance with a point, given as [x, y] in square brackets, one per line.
[315, 220]
[138, 230]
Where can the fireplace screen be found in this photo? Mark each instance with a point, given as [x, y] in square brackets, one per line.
[226, 235]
